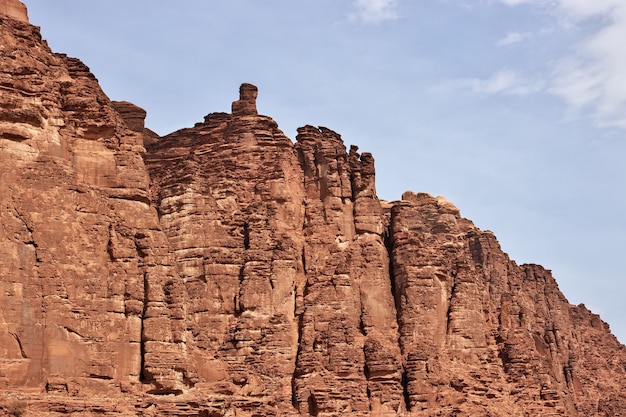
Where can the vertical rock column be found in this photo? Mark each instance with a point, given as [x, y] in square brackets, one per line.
[347, 331]
[370, 268]
[422, 287]
[474, 326]
[78, 225]
[230, 198]
[440, 295]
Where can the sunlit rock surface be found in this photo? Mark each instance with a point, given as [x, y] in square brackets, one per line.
[224, 270]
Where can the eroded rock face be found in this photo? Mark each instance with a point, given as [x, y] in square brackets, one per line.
[14, 9]
[224, 270]
[481, 334]
[230, 199]
[82, 259]
[246, 105]
[348, 360]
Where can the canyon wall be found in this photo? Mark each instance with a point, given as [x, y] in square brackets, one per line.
[224, 270]
[83, 260]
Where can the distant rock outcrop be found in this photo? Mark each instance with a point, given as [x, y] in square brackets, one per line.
[224, 270]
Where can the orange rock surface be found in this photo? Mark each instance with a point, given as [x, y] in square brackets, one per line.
[14, 9]
[224, 270]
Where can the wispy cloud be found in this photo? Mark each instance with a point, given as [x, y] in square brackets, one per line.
[584, 9]
[505, 82]
[375, 11]
[514, 2]
[575, 9]
[513, 37]
[592, 79]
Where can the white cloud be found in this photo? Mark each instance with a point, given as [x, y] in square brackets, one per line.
[513, 37]
[584, 9]
[375, 11]
[514, 2]
[572, 9]
[592, 78]
[505, 81]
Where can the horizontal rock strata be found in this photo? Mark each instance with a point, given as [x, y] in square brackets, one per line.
[83, 262]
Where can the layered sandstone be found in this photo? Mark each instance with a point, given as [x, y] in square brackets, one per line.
[477, 330]
[224, 270]
[83, 262]
[348, 360]
[230, 200]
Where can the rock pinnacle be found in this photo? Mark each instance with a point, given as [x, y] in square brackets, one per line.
[246, 105]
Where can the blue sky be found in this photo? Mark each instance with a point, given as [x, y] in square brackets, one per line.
[514, 110]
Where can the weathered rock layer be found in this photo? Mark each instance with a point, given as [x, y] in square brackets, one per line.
[83, 261]
[224, 270]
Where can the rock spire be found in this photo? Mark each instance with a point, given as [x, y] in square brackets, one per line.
[246, 105]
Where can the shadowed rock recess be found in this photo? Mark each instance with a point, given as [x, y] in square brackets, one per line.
[223, 270]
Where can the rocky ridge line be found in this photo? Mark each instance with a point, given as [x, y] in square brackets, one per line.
[224, 270]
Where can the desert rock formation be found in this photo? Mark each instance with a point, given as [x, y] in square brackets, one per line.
[14, 9]
[224, 270]
[83, 261]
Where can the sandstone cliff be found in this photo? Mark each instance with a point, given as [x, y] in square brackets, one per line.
[83, 261]
[225, 270]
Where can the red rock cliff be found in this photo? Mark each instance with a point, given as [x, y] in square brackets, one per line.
[224, 270]
[83, 261]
